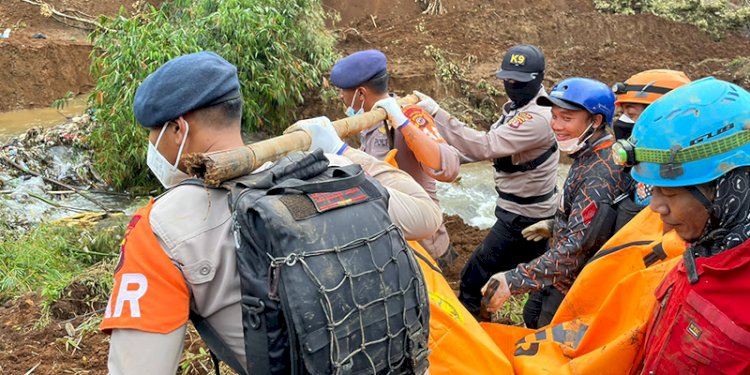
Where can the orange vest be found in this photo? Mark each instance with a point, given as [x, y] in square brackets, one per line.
[149, 293]
[600, 324]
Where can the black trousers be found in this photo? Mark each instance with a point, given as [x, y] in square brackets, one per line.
[502, 250]
[541, 307]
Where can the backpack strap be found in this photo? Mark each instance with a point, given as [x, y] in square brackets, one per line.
[216, 346]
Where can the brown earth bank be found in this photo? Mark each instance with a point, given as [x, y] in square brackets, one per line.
[26, 348]
[576, 39]
[35, 72]
[70, 342]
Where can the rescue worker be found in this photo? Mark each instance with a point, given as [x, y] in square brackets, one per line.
[524, 154]
[633, 96]
[582, 109]
[693, 147]
[178, 253]
[419, 149]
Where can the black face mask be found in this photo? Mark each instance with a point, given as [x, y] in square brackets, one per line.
[622, 129]
[521, 93]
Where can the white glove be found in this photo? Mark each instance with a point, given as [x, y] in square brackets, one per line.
[323, 134]
[427, 103]
[395, 115]
[539, 230]
[494, 301]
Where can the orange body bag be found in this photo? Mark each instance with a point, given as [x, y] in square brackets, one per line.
[600, 325]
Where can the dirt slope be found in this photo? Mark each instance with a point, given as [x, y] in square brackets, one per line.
[34, 72]
[577, 40]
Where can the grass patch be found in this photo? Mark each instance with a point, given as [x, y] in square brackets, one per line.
[512, 310]
[51, 257]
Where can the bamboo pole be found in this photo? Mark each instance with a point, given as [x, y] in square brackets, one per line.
[217, 167]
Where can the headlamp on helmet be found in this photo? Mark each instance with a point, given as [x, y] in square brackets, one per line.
[623, 153]
[619, 88]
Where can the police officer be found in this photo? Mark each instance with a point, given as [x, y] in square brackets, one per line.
[524, 154]
[178, 253]
[419, 149]
[582, 109]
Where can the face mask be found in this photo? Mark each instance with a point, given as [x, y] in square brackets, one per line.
[169, 175]
[521, 93]
[623, 127]
[350, 110]
[573, 145]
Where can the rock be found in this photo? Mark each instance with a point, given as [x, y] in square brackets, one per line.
[39, 36]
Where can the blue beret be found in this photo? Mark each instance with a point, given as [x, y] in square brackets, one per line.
[184, 84]
[358, 68]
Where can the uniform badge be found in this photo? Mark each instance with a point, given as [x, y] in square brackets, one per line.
[521, 118]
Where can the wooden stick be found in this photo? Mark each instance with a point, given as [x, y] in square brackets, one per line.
[217, 167]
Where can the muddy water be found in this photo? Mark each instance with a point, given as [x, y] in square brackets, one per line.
[17, 122]
[473, 197]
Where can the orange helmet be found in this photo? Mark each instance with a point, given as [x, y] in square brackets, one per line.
[647, 86]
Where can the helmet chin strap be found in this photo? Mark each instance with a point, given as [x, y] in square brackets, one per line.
[700, 197]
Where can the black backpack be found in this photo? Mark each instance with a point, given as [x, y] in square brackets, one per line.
[329, 284]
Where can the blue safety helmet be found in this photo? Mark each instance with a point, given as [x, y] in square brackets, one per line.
[582, 93]
[690, 136]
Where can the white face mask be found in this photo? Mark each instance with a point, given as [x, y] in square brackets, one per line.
[350, 112]
[169, 175]
[573, 145]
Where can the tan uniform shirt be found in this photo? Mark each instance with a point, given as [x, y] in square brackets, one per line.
[194, 227]
[524, 134]
[374, 141]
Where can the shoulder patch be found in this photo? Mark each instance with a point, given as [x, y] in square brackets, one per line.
[423, 121]
[520, 118]
[588, 213]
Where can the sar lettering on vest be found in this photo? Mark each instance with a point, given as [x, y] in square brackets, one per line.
[133, 287]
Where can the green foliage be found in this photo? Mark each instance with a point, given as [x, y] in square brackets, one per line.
[712, 16]
[280, 47]
[63, 102]
[512, 311]
[51, 257]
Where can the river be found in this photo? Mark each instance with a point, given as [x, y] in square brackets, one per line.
[472, 197]
[17, 122]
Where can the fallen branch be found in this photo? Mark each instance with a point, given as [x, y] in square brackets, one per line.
[350, 30]
[48, 11]
[53, 204]
[58, 183]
